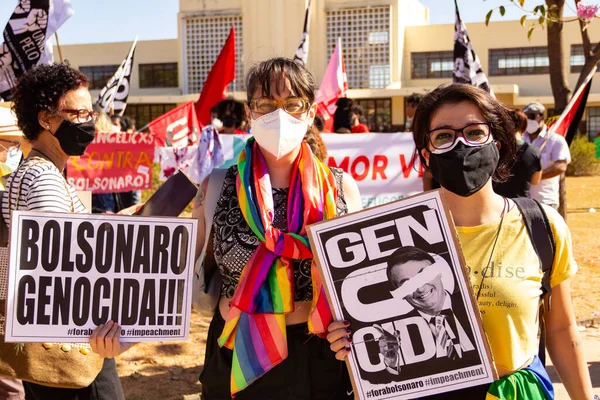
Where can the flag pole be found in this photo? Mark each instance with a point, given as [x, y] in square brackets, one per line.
[58, 46]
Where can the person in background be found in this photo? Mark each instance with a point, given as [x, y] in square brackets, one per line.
[133, 197]
[116, 123]
[54, 111]
[104, 203]
[527, 169]
[357, 125]
[343, 116]
[10, 156]
[554, 151]
[264, 192]
[412, 102]
[232, 115]
[314, 139]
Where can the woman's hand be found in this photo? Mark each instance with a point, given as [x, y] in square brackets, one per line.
[105, 340]
[339, 337]
[131, 210]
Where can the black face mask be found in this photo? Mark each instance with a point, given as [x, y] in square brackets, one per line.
[75, 138]
[229, 121]
[465, 169]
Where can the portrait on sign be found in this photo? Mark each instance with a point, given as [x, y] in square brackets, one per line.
[395, 272]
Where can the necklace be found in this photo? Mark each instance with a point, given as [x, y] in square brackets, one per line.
[485, 270]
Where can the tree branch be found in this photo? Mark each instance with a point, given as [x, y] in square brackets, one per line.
[585, 36]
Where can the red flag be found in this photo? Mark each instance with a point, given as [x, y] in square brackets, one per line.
[177, 128]
[333, 86]
[569, 120]
[220, 76]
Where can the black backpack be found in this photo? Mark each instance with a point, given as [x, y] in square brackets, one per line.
[542, 239]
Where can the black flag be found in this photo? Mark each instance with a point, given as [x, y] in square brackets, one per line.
[114, 95]
[302, 53]
[467, 68]
[27, 38]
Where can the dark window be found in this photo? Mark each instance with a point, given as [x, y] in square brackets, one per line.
[593, 122]
[144, 113]
[519, 61]
[432, 64]
[99, 74]
[159, 75]
[377, 114]
[578, 58]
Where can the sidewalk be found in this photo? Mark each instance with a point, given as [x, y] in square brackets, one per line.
[591, 349]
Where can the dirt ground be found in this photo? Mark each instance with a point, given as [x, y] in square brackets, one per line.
[164, 371]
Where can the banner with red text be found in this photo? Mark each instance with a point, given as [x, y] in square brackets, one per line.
[384, 165]
[114, 162]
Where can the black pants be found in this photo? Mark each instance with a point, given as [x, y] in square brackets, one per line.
[106, 386]
[309, 372]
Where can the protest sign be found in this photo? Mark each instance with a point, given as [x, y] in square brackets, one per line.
[114, 162]
[384, 165]
[396, 273]
[69, 273]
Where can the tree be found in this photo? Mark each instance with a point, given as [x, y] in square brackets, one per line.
[550, 15]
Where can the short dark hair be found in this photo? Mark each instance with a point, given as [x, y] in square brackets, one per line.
[358, 110]
[235, 108]
[404, 255]
[495, 113]
[261, 75]
[342, 118]
[41, 89]
[127, 123]
[319, 123]
[414, 99]
[519, 120]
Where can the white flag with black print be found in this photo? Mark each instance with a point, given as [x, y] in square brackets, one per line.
[301, 56]
[27, 38]
[467, 68]
[113, 97]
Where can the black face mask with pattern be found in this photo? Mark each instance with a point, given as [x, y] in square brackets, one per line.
[75, 138]
[465, 169]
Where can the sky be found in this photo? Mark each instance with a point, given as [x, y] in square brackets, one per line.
[122, 20]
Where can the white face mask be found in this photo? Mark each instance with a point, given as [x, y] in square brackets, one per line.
[13, 158]
[216, 122]
[278, 132]
[532, 126]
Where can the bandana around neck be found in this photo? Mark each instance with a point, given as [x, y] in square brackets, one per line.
[255, 326]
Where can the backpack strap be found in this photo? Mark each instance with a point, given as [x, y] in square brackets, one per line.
[541, 236]
[213, 191]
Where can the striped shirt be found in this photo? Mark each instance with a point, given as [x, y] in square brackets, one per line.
[43, 189]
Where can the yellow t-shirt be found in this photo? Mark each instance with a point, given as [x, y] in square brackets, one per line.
[511, 288]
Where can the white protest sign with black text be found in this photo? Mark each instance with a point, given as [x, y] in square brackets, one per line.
[69, 273]
[396, 273]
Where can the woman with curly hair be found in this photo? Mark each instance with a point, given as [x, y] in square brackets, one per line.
[54, 110]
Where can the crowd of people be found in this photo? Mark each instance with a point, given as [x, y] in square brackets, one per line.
[468, 143]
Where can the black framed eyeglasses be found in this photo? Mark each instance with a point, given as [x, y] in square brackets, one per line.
[291, 105]
[82, 115]
[475, 134]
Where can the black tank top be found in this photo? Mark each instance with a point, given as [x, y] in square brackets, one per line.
[234, 242]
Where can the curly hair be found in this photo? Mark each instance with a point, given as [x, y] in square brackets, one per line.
[40, 89]
[494, 112]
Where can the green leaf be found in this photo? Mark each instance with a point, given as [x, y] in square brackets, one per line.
[550, 23]
[502, 11]
[523, 18]
[536, 9]
[488, 16]
[541, 21]
[543, 10]
[530, 33]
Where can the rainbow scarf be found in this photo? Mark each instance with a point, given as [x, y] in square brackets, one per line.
[255, 327]
[529, 383]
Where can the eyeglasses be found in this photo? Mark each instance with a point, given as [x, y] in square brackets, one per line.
[82, 115]
[475, 134]
[291, 105]
[9, 145]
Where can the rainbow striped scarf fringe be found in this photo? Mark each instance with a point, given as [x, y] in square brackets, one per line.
[255, 327]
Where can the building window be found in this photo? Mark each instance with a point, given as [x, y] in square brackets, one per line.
[377, 114]
[365, 34]
[203, 41]
[432, 64]
[159, 75]
[99, 74]
[593, 122]
[519, 61]
[578, 58]
[144, 113]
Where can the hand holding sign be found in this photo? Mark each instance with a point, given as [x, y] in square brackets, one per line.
[105, 340]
